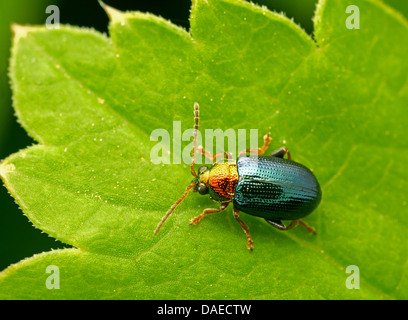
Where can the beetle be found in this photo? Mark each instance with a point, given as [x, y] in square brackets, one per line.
[271, 187]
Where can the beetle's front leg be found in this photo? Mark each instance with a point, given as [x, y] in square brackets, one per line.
[208, 155]
[260, 151]
[208, 211]
[250, 244]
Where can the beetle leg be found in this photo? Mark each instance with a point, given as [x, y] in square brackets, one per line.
[279, 225]
[311, 229]
[292, 224]
[276, 223]
[201, 150]
[225, 153]
[212, 158]
[259, 151]
[208, 211]
[280, 153]
[250, 244]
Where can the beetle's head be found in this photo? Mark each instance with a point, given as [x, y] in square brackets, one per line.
[201, 181]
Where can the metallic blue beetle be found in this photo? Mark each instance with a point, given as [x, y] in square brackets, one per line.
[270, 187]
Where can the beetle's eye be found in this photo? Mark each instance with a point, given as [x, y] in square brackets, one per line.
[202, 169]
[202, 189]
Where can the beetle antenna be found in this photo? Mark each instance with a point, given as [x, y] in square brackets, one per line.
[196, 119]
[174, 206]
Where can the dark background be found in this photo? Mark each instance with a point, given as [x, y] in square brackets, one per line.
[18, 237]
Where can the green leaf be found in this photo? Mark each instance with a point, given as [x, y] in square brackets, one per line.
[338, 102]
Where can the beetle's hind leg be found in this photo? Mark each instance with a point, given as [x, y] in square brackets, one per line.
[279, 225]
[208, 211]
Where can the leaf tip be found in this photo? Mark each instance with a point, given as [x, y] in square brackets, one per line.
[6, 168]
[113, 14]
[20, 31]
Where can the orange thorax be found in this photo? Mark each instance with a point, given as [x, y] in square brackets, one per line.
[222, 180]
